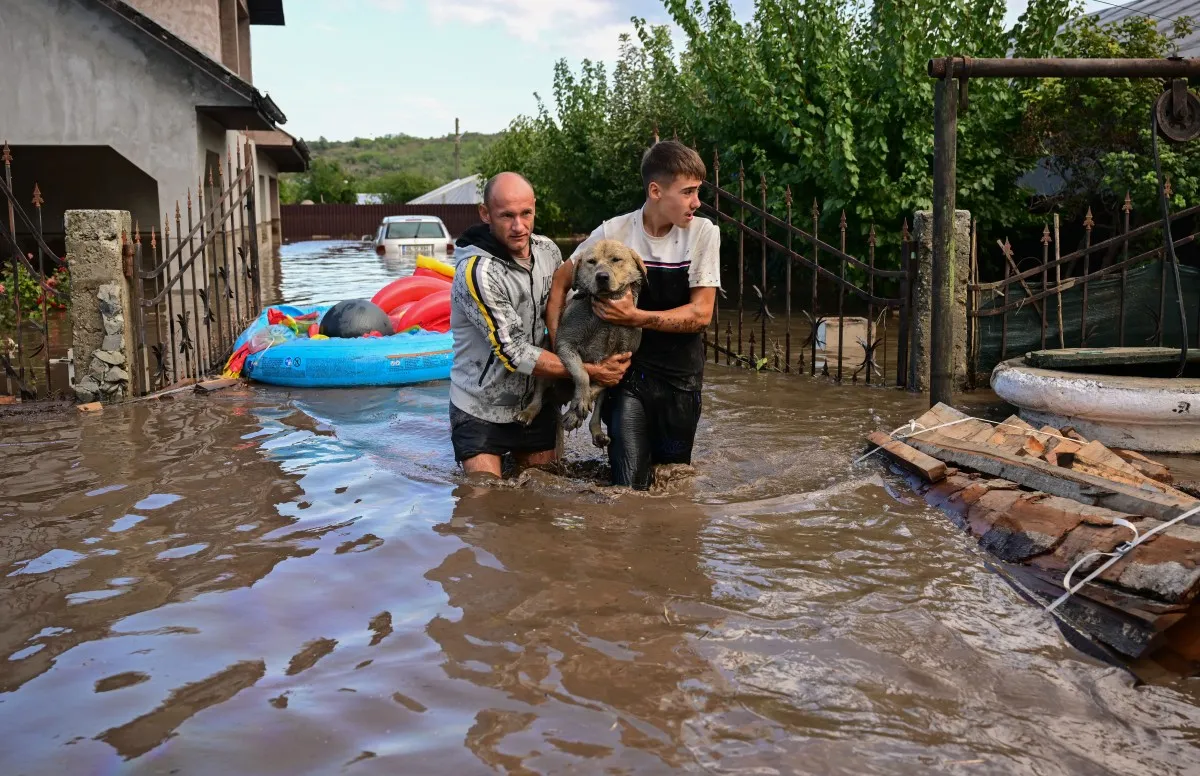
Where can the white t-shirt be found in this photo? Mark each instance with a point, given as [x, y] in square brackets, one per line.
[696, 249]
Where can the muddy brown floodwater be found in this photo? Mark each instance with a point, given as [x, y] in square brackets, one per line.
[267, 581]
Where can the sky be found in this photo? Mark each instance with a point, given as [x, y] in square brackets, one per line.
[365, 68]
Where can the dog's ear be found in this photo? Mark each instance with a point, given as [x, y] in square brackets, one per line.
[578, 260]
[641, 265]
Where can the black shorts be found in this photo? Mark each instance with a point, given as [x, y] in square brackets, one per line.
[650, 422]
[472, 436]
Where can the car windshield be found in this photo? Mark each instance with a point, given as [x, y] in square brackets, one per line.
[407, 230]
[402, 230]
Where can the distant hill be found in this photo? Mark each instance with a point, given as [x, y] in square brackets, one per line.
[431, 158]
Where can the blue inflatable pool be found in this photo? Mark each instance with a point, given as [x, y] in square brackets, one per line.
[401, 359]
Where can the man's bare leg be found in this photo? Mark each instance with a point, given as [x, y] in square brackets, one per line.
[483, 464]
[540, 458]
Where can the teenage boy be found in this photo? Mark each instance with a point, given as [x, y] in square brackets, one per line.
[653, 412]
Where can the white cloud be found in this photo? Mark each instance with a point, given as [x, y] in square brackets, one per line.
[529, 21]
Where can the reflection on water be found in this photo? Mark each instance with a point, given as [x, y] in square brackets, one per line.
[273, 581]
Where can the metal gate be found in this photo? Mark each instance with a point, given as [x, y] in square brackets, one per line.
[198, 287]
[1110, 293]
[824, 268]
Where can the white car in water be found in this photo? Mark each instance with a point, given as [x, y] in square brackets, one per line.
[406, 237]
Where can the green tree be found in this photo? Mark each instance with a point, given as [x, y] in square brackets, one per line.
[326, 182]
[832, 99]
[1095, 133]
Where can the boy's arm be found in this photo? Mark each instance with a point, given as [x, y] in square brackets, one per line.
[685, 319]
[564, 276]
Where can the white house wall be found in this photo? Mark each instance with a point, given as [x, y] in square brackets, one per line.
[78, 76]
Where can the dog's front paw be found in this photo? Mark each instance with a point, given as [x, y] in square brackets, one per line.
[527, 415]
[600, 439]
[573, 418]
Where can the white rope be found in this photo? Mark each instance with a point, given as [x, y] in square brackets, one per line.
[1119, 552]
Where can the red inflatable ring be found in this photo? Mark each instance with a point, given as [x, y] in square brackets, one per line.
[431, 313]
[406, 289]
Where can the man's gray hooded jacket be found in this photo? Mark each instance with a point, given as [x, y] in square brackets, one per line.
[497, 316]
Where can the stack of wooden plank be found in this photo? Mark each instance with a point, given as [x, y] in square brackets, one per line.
[1040, 499]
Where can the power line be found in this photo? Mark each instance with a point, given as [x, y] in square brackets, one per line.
[1136, 11]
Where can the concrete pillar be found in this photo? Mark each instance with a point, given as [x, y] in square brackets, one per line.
[923, 294]
[243, 36]
[228, 15]
[102, 336]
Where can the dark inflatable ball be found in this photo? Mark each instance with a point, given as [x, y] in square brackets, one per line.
[354, 318]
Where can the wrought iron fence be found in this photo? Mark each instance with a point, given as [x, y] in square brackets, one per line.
[195, 294]
[1096, 296]
[25, 331]
[825, 268]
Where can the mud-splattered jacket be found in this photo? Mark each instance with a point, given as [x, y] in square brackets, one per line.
[497, 316]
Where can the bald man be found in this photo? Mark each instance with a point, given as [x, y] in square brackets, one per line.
[497, 314]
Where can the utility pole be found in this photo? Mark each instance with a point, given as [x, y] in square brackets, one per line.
[457, 146]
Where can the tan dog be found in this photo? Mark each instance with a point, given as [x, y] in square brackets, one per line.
[605, 271]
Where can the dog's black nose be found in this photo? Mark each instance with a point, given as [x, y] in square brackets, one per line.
[602, 278]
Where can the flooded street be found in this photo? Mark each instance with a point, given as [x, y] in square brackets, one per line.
[273, 581]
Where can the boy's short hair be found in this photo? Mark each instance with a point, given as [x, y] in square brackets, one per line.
[667, 160]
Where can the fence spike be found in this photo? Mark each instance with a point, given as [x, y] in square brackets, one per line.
[189, 201]
[1167, 186]
[716, 160]
[816, 211]
[675, 135]
[871, 236]
[904, 231]
[137, 233]
[166, 228]
[656, 133]
[210, 177]
[842, 223]
[1088, 222]
[1006, 248]
[37, 196]
[153, 239]
[1045, 234]
[176, 210]
[1128, 206]
[762, 182]
[787, 195]
[6, 155]
[741, 171]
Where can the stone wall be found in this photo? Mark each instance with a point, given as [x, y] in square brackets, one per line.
[918, 369]
[102, 335]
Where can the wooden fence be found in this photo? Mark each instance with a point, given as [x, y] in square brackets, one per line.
[320, 222]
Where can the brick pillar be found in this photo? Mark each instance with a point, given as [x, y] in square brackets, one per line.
[102, 334]
[923, 294]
